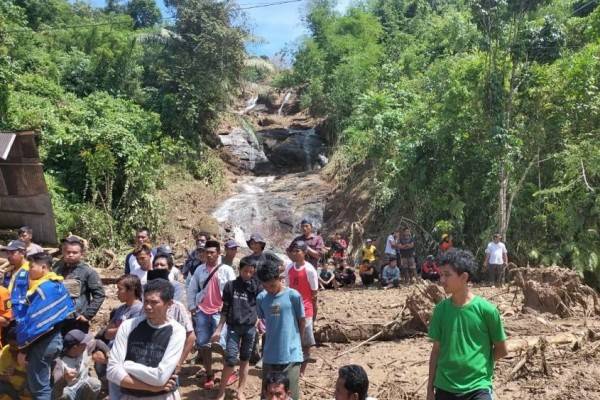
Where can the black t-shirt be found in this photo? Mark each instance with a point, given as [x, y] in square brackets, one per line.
[262, 258]
[239, 301]
[407, 252]
[326, 275]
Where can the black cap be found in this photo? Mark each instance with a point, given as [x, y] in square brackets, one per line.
[256, 237]
[76, 336]
[14, 245]
[299, 244]
[306, 221]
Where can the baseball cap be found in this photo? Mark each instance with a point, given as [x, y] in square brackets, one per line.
[76, 336]
[306, 221]
[231, 244]
[164, 249]
[369, 240]
[14, 245]
[257, 237]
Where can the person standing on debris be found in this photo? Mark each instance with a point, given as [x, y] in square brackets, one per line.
[406, 252]
[147, 349]
[47, 307]
[282, 310]
[390, 246]
[338, 247]
[467, 333]
[302, 276]
[352, 383]
[231, 248]
[82, 281]
[496, 260]
[142, 236]
[196, 257]
[25, 234]
[314, 242]
[205, 300]
[239, 312]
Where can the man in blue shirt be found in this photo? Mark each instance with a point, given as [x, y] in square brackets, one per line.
[283, 313]
[390, 277]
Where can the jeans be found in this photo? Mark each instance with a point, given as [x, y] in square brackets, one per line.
[8, 390]
[205, 326]
[480, 394]
[496, 274]
[40, 356]
[240, 341]
[87, 389]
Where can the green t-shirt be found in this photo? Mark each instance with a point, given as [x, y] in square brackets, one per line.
[466, 335]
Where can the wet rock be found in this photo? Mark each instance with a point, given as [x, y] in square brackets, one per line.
[298, 152]
[243, 149]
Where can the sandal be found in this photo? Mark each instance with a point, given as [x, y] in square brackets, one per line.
[209, 383]
[233, 378]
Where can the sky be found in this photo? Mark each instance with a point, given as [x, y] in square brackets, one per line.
[278, 26]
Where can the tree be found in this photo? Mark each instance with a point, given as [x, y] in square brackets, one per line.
[144, 13]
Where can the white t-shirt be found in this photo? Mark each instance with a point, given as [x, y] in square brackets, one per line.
[389, 245]
[495, 252]
[311, 274]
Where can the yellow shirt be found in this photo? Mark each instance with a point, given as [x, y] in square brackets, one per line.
[369, 253]
[9, 366]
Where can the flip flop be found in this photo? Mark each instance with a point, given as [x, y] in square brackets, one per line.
[233, 378]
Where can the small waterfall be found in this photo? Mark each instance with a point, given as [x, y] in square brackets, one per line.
[250, 104]
[285, 100]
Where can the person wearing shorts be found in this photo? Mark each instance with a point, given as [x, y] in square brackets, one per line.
[282, 310]
[302, 276]
[239, 311]
[406, 252]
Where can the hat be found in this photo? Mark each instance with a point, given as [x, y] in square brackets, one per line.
[231, 244]
[369, 240]
[14, 245]
[299, 244]
[444, 236]
[164, 249]
[76, 336]
[306, 221]
[256, 237]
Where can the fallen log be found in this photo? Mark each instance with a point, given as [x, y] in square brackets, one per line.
[524, 343]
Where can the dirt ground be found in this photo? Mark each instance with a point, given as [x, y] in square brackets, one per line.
[569, 369]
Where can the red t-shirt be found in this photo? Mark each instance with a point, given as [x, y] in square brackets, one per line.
[305, 280]
[212, 301]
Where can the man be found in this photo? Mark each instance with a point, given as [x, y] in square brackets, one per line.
[16, 252]
[196, 257]
[496, 260]
[47, 307]
[205, 300]
[147, 349]
[278, 387]
[144, 258]
[430, 269]
[405, 247]
[81, 280]
[231, 248]
[390, 276]
[16, 278]
[302, 276]
[314, 243]
[72, 380]
[142, 236]
[369, 252]
[352, 383]
[25, 234]
[338, 247]
[390, 245]
[259, 256]
[282, 310]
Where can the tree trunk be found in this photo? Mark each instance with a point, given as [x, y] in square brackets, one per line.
[503, 209]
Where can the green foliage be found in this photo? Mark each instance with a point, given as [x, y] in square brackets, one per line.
[449, 98]
[107, 96]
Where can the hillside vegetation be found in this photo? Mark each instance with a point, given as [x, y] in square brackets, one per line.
[471, 116]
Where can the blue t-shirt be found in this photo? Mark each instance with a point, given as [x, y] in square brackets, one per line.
[281, 313]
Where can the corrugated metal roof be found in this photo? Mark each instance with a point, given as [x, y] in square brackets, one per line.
[6, 142]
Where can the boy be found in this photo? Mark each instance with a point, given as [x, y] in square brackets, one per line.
[72, 380]
[367, 272]
[302, 276]
[326, 278]
[390, 276]
[283, 312]
[13, 378]
[239, 311]
[48, 305]
[147, 349]
[467, 333]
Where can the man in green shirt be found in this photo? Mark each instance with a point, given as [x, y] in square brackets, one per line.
[467, 333]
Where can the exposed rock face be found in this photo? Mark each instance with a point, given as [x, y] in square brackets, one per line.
[243, 150]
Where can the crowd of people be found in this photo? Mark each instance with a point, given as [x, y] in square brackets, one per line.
[259, 310]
